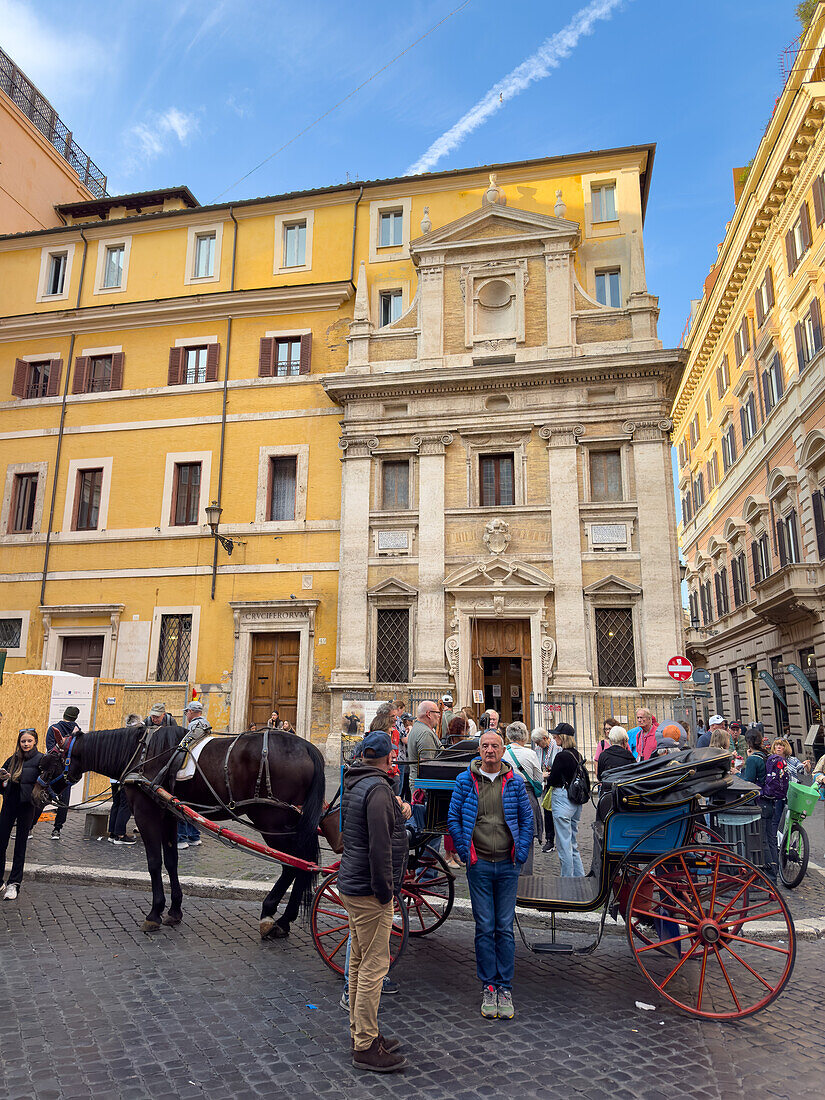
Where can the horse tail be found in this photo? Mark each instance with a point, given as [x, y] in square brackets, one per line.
[306, 837]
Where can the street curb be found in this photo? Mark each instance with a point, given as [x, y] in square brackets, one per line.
[254, 890]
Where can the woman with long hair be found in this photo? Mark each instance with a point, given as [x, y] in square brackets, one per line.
[566, 814]
[17, 779]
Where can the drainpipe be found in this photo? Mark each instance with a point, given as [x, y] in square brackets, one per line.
[60, 429]
[354, 226]
[225, 396]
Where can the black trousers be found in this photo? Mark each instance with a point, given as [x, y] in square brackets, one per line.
[63, 812]
[549, 827]
[14, 812]
[120, 812]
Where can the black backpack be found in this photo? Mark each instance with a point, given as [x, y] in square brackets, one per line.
[578, 789]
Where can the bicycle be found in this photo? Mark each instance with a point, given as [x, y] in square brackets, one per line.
[794, 846]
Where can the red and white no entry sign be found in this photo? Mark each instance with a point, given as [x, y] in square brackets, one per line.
[679, 668]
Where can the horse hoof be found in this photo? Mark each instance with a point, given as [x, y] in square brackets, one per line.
[150, 926]
[265, 927]
[279, 932]
[169, 919]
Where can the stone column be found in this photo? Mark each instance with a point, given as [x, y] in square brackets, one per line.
[429, 630]
[559, 266]
[431, 312]
[353, 662]
[568, 594]
[661, 607]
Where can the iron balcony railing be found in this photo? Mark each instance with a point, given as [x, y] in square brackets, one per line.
[37, 108]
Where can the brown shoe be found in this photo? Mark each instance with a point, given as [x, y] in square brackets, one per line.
[389, 1045]
[378, 1059]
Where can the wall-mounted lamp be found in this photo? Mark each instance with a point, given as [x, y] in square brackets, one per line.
[213, 518]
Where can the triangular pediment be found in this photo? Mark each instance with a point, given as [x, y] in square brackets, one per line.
[495, 222]
[612, 586]
[497, 574]
[393, 587]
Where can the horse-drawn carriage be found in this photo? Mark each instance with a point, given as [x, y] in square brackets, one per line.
[695, 908]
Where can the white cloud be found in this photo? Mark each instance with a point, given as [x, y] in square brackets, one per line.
[56, 59]
[159, 133]
[549, 56]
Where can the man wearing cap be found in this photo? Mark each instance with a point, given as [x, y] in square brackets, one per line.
[372, 868]
[189, 835]
[56, 734]
[157, 716]
[716, 721]
[447, 716]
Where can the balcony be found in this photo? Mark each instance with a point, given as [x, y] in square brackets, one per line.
[792, 594]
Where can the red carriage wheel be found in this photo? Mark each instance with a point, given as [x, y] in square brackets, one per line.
[428, 892]
[706, 956]
[329, 924]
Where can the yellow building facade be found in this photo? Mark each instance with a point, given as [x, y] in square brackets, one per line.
[158, 357]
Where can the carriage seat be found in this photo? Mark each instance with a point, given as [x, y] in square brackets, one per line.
[555, 892]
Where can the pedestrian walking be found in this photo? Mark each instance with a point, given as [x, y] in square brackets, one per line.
[189, 835]
[491, 823]
[526, 763]
[372, 869]
[546, 749]
[17, 779]
[567, 814]
[56, 734]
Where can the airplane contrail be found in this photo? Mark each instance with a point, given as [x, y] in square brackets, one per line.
[549, 56]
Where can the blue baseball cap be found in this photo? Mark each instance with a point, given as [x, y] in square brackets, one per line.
[377, 744]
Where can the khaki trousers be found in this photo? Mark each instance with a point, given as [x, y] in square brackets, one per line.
[370, 925]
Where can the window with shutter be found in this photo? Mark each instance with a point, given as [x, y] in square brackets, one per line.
[818, 190]
[734, 576]
[186, 491]
[176, 361]
[605, 475]
[792, 537]
[213, 352]
[99, 374]
[22, 505]
[765, 563]
[757, 575]
[805, 228]
[195, 365]
[790, 251]
[780, 543]
[31, 380]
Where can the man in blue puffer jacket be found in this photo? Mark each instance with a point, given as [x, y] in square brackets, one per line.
[491, 823]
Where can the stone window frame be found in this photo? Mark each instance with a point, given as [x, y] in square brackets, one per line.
[300, 452]
[103, 244]
[177, 458]
[14, 468]
[192, 233]
[45, 255]
[154, 638]
[623, 601]
[400, 597]
[384, 284]
[25, 618]
[394, 454]
[623, 446]
[491, 443]
[281, 222]
[477, 274]
[75, 466]
[379, 255]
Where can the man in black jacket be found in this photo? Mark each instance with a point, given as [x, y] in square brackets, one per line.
[62, 730]
[372, 868]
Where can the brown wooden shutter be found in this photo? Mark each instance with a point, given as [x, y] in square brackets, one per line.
[21, 377]
[76, 502]
[760, 316]
[175, 481]
[213, 354]
[769, 288]
[55, 374]
[177, 358]
[746, 340]
[266, 357]
[81, 371]
[800, 349]
[790, 251]
[270, 477]
[306, 353]
[805, 226]
[117, 371]
[816, 325]
[819, 200]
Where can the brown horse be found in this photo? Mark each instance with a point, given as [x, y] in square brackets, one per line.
[281, 792]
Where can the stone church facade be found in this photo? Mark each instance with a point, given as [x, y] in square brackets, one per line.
[508, 519]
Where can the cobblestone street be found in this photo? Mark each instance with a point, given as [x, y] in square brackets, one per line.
[92, 1007]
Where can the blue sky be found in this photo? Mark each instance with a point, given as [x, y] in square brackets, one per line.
[164, 92]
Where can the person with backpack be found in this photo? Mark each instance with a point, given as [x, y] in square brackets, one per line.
[571, 789]
[755, 771]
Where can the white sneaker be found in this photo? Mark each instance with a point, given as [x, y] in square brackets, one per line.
[195, 843]
[182, 844]
[11, 892]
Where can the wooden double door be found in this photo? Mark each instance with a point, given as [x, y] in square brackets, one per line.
[501, 666]
[82, 654]
[274, 677]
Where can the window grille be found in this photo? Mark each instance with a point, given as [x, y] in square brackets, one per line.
[174, 648]
[615, 648]
[10, 633]
[392, 646]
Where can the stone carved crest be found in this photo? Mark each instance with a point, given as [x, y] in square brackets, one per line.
[451, 649]
[497, 536]
[498, 605]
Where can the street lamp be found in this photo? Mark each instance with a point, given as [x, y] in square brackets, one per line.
[213, 518]
[694, 622]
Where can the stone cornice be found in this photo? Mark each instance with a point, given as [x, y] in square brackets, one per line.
[556, 372]
[183, 310]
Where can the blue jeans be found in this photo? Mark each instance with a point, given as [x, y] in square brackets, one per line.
[493, 889]
[188, 832]
[566, 818]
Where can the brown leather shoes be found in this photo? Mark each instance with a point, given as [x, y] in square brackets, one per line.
[378, 1059]
[388, 1044]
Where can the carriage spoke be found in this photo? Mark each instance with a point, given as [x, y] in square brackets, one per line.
[663, 943]
[679, 965]
[744, 920]
[337, 928]
[664, 916]
[747, 966]
[692, 887]
[734, 900]
[340, 945]
[702, 980]
[758, 943]
[727, 979]
[714, 884]
[676, 901]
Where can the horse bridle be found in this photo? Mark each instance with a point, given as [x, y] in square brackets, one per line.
[63, 748]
